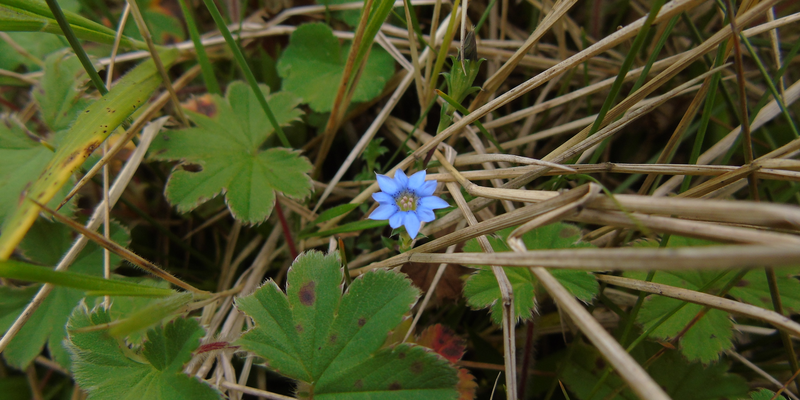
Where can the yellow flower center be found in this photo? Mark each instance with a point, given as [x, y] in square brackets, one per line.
[406, 201]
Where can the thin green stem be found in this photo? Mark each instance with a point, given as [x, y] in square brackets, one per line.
[464, 112]
[662, 40]
[771, 85]
[202, 57]
[76, 46]
[626, 66]
[248, 74]
[705, 118]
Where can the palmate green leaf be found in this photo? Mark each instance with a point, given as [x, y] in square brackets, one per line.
[332, 342]
[313, 63]
[710, 335]
[482, 290]
[45, 244]
[713, 333]
[225, 149]
[107, 372]
[679, 379]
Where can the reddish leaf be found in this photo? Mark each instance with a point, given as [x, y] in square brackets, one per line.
[466, 385]
[450, 285]
[443, 341]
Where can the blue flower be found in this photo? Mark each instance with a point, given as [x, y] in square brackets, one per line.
[406, 201]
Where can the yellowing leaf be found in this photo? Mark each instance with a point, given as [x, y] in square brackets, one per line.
[91, 127]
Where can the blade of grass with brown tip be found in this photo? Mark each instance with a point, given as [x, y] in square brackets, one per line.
[90, 129]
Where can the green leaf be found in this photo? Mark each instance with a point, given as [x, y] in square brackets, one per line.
[107, 372]
[679, 379]
[90, 129]
[60, 100]
[92, 285]
[482, 290]
[313, 63]
[21, 161]
[225, 150]
[332, 342]
[35, 16]
[709, 336]
[765, 394]
[126, 306]
[22, 158]
[754, 289]
[36, 43]
[712, 334]
[46, 325]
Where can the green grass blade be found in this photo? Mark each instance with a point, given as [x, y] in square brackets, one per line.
[771, 85]
[202, 57]
[150, 315]
[35, 16]
[351, 227]
[76, 46]
[93, 285]
[706, 116]
[90, 129]
[638, 42]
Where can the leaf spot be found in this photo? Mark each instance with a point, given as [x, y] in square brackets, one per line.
[417, 367]
[307, 294]
[298, 328]
[192, 167]
[395, 386]
[358, 384]
[362, 321]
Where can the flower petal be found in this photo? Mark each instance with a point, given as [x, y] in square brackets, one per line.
[425, 214]
[383, 198]
[384, 211]
[432, 202]
[387, 184]
[397, 219]
[416, 180]
[427, 188]
[411, 222]
[400, 179]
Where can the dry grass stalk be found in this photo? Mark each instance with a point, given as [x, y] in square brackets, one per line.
[506, 290]
[628, 369]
